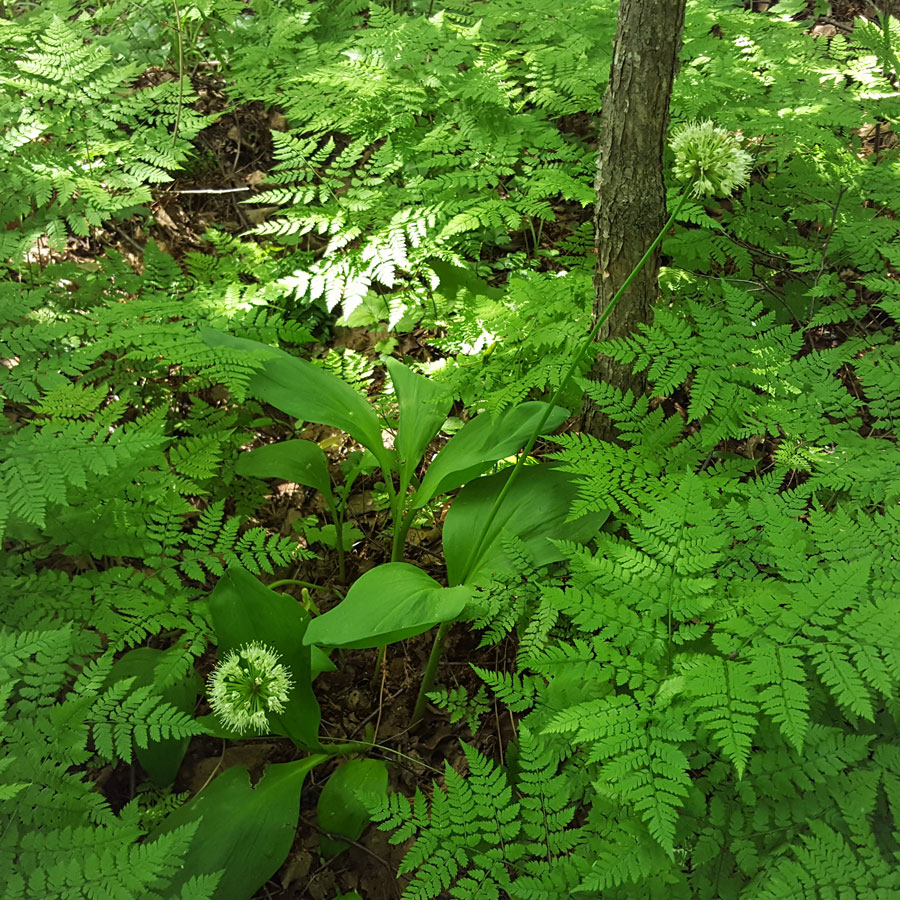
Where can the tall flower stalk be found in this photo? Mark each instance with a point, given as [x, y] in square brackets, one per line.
[710, 160]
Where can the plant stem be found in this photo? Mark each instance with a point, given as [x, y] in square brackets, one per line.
[345, 749]
[399, 535]
[401, 530]
[284, 581]
[428, 676]
[178, 27]
[401, 522]
[379, 664]
[395, 500]
[438, 646]
[339, 543]
[588, 342]
[306, 584]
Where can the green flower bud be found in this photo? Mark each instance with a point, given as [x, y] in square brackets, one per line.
[710, 158]
[248, 684]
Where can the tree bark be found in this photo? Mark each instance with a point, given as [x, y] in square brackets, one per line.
[631, 200]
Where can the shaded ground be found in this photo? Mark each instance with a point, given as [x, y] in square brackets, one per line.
[354, 697]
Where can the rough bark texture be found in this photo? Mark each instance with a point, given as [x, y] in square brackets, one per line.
[631, 203]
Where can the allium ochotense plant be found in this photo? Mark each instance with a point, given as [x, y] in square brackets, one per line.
[704, 694]
[709, 158]
[247, 686]
[701, 151]
[396, 601]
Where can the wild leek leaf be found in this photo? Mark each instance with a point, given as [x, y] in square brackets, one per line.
[340, 810]
[387, 604]
[535, 511]
[300, 389]
[480, 443]
[245, 831]
[242, 610]
[423, 409]
[302, 462]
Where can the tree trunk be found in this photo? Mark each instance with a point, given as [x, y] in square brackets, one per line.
[631, 201]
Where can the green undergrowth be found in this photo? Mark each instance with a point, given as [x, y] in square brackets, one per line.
[708, 694]
[705, 690]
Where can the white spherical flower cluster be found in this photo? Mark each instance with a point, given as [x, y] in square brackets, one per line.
[247, 685]
[710, 158]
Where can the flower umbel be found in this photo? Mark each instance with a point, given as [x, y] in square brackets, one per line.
[710, 158]
[248, 684]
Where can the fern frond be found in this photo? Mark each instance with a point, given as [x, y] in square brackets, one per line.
[724, 703]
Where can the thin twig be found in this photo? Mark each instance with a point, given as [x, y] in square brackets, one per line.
[127, 237]
[363, 722]
[180, 72]
[340, 837]
[497, 709]
[403, 756]
[380, 698]
[212, 774]
[236, 190]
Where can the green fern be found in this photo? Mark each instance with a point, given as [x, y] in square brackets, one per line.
[60, 838]
[721, 668]
[825, 862]
[705, 695]
[45, 462]
[433, 144]
[121, 716]
[71, 164]
[460, 706]
[473, 839]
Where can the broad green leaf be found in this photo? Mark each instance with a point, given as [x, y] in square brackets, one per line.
[789, 8]
[423, 409]
[302, 462]
[387, 604]
[319, 663]
[480, 443]
[535, 511]
[214, 727]
[244, 610]
[340, 811]
[244, 832]
[161, 760]
[308, 393]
